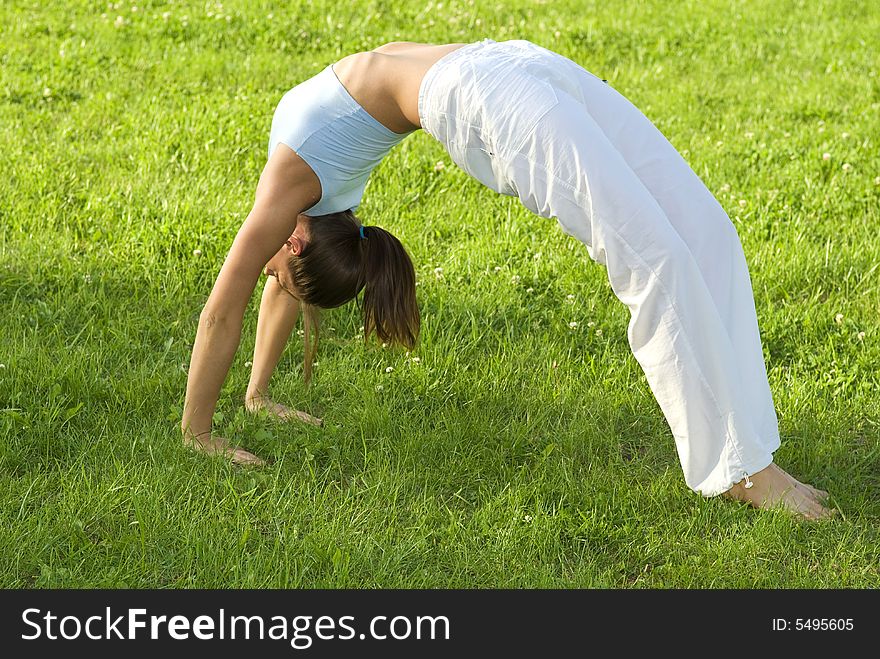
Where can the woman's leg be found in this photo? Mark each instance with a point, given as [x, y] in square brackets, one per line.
[684, 280]
[695, 214]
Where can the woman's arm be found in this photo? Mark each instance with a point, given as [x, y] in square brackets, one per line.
[279, 311]
[287, 187]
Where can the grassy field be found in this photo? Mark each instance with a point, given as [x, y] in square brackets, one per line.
[517, 451]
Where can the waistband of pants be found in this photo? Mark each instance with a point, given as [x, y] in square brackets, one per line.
[446, 60]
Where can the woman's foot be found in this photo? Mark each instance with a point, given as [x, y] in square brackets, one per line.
[214, 445]
[279, 411]
[773, 487]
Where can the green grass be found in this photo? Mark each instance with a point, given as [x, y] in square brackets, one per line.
[517, 452]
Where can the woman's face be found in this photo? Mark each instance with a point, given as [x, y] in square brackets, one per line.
[293, 246]
[277, 266]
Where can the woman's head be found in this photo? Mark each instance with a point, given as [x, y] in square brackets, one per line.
[331, 259]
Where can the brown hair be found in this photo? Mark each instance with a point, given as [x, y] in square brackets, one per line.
[336, 263]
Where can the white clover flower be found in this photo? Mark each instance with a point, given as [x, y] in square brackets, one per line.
[47, 92]
[385, 345]
[166, 15]
[2, 366]
[119, 22]
[591, 324]
[749, 135]
[846, 167]
[838, 318]
[570, 296]
[416, 360]
[389, 369]
[527, 518]
[515, 279]
[530, 290]
[379, 387]
[826, 156]
[248, 364]
[497, 268]
[573, 324]
[438, 272]
[742, 203]
[87, 278]
[598, 332]
[844, 135]
[725, 187]
[440, 166]
[860, 336]
[197, 252]
[877, 180]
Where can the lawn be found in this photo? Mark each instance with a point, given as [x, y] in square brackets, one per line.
[518, 445]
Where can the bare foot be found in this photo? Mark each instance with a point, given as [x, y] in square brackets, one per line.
[773, 487]
[816, 492]
[806, 488]
[257, 403]
[220, 446]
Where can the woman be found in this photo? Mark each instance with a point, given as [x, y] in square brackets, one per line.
[526, 122]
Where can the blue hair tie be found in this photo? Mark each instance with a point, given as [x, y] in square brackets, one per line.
[363, 237]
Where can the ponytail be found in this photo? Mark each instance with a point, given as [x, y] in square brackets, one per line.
[389, 302]
[341, 258]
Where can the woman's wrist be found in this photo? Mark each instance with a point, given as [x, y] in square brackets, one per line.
[192, 432]
[256, 398]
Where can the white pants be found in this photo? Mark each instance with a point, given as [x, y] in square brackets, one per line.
[528, 122]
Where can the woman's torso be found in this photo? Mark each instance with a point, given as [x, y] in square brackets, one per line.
[485, 98]
[343, 121]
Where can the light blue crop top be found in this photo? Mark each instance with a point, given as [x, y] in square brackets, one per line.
[336, 137]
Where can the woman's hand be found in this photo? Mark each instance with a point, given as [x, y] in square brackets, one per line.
[263, 403]
[214, 445]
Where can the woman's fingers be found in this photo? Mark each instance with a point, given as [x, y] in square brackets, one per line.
[282, 411]
[219, 446]
[305, 418]
[241, 457]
